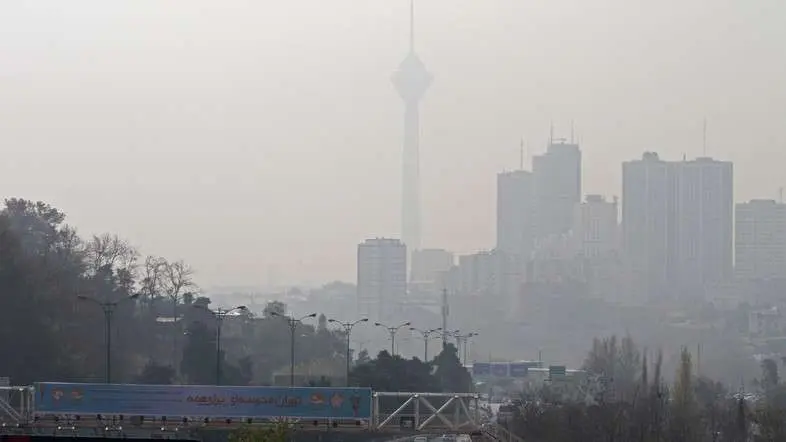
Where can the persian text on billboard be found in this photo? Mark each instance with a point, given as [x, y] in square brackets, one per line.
[207, 401]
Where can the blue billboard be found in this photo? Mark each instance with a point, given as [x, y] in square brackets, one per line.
[519, 369]
[203, 401]
[499, 369]
[481, 369]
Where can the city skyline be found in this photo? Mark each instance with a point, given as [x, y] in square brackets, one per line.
[281, 144]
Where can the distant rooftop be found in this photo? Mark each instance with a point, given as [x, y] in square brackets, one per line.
[378, 240]
[761, 202]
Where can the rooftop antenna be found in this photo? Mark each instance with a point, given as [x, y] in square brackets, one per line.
[521, 152]
[551, 132]
[704, 139]
[571, 132]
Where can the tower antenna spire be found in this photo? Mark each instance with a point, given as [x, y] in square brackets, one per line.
[411, 80]
[411, 25]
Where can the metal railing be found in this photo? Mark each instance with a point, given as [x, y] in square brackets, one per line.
[16, 405]
[450, 412]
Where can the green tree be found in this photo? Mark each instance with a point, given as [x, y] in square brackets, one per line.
[199, 355]
[618, 364]
[769, 379]
[394, 373]
[274, 308]
[154, 374]
[363, 357]
[450, 373]
[683, 407]
[199, 359]
[279, 432]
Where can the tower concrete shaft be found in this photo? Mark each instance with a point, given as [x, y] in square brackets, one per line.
[410, 177]
[411, 81]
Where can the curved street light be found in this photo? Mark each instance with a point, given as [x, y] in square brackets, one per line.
[425, 335]
[108, 307]
[449, 333]
[219, 314]
[347, 326]
[293, 323]
[392, 332]
[462, 340]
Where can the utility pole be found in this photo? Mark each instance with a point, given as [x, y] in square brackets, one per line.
[109, 311]
[348, 326]
[445, 314]
[463, 340]
[426, 335]
[293, 323]
[392, 332]
[219, 314]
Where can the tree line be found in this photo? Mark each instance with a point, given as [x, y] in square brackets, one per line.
[49, 332]
[625, 398]
[162, 329]
[393, 373]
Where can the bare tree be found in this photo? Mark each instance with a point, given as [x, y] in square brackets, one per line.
[177, 281]
[111, 251]
[152, 279]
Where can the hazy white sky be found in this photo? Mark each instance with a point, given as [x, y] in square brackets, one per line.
[257, 137]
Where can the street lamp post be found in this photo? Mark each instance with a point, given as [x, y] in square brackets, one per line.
[348, 326]
[392, 332]
[461, 340]
[219, 314]
[108, 307]
[426, 335]
[292, 322]
[451, 333]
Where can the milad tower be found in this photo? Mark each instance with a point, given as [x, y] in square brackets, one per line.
[411, 81]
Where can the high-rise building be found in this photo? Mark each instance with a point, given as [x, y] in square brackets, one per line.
[494, 275]
[760, 240]
[677, 221]
[595, 227]
[411, 81]
[515, 213]
[477, 274]
[382, 278]
[649, 221]
[430, 265]
[705, 223]
[557, 187]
